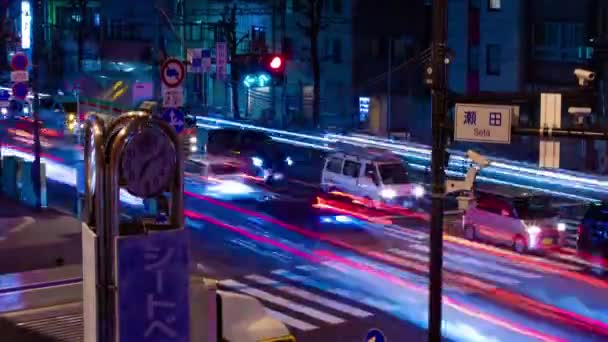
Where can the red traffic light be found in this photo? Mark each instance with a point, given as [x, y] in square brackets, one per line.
[276, 62]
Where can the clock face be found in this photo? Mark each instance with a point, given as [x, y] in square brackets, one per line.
[148, 163]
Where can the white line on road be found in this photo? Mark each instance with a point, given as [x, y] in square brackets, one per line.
[235, 285]
[350, 295]
[454, 267]
[27, 221]
[292, 322]
[406, 231]
[330, 303]
[482, 264]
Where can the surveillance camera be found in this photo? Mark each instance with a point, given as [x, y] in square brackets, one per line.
[584, 76]
[477, 158]
[453, 186]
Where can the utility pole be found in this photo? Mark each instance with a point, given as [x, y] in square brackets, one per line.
[389, 104]
[39, 6]
[274, 50]
[283, 110]
[438, 71]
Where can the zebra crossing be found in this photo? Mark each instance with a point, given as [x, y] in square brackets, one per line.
[299, 301]
[462, 259]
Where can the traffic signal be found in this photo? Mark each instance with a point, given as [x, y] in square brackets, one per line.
[274, 65]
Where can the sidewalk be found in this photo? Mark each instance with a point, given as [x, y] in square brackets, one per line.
[31, 239]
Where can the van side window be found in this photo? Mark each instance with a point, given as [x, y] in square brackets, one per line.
[371, 173]
[351, 168]
[334, 165]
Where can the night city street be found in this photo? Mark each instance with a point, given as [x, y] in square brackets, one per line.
[294, 170]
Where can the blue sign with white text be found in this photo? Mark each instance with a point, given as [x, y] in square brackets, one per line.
[153, 291]
[175, 118]
[375, 335]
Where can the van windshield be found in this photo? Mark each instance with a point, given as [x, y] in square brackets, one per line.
[536, 207]
[393, 173]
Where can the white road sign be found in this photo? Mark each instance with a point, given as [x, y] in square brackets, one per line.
[173, 97]
[483, 123]
[19, 76]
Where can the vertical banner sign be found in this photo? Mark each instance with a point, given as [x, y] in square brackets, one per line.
[26, 25]
[206, 61]
[221, 60]
[153, 287]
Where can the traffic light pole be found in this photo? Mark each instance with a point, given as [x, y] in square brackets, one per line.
[439, 116]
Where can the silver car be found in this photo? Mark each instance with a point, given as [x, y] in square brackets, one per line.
[524, 221]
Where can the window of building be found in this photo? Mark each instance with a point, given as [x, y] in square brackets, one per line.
[493, 59]
[474, 58]
[337, 6]
[351, 168]
[494, 5]
[572, 35]
[334, 165]
[258, 39]
[337, 51]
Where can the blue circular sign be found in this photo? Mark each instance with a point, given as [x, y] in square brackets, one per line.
[175, 118]
[20, 90]
[375, 335]
[19, 61]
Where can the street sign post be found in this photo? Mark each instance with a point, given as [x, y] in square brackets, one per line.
[175, 118]
[173, 73]
[483, 123]
[19, 61]
[173, 97]
[19, 76]
[20, 91]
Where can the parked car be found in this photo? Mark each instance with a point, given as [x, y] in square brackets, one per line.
[522, 220]
[592, 242]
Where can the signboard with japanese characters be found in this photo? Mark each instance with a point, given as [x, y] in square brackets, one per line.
[195, 60]
[483, 123]
[152, 279]
[173, 97]
[221, 59]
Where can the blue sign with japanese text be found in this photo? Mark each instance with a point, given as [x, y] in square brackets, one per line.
[153, 290]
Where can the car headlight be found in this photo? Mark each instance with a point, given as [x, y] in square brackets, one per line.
[533, 230]
[25, 110]
[289, 161]
[418, 191]
[561, 227]
[4, 111]
[257, 162]
[193, 140]
[388, 193]
[193, 148]
[71, 117]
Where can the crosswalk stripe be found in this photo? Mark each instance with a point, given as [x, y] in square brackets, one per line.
[478, 263]
[406, 231]
[378, 304]
[293, 322]
[561, 265]
[451, 265]
[401, 237]
[330, 303]
[238, 286]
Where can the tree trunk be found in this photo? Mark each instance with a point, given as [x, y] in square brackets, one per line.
[316, 74]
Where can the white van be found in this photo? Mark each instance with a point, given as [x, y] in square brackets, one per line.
[378, 176]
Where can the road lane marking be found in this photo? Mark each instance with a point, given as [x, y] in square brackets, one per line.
[479, 263]
[547, 262]
[401, 237]
[406, 231]
[454, 267]
[27, 220]
[330, 303]
[292, 322]
[280, 301]
[350, 295]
